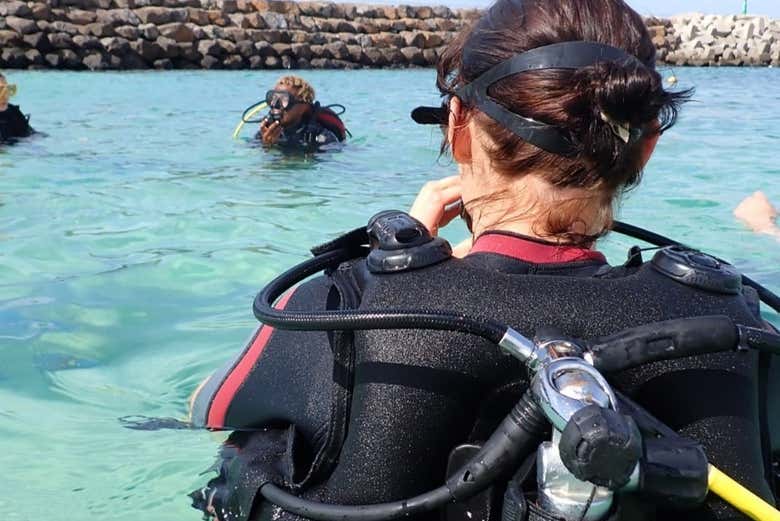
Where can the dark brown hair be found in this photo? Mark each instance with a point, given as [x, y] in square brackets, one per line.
[572, 100]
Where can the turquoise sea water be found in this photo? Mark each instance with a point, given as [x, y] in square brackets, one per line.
[135, 235]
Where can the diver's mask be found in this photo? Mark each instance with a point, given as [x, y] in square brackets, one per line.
[8, 90]
[566, 55]
[280, 101]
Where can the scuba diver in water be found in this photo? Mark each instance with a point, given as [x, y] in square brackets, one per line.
[370, 386]
[296, 120]
[13, 124]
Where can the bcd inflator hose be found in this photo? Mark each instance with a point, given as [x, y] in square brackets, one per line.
[343, 320]
[510, 444]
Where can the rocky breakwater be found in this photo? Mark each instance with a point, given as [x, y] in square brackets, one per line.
[231, 34]
[699, 40]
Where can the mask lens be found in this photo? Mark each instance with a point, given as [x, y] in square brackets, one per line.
[278, 99]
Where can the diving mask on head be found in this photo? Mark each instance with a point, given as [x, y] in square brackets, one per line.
[566, 55]
[8, 90]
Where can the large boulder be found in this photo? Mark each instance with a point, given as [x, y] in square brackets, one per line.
[274, 20]
[69, 59]
[234, 62]
[302, 50]
[14, 8]
[9, 39]
[256, 21]
[38, 41]
[41, 11]
[81, 17]
[100, 30]
[264, 49]
[118, 17]
[235, 34]
[147, 50]
[197, 16]
[149, 31]
[161, 15]
[210, 62]
[96, 61]
[60, 40]
[115, 45]
[128, 32]
[53, 60]
[21, 25]
[62, 27]
[178, 32]
[414, 56]
[169, 47]
[338, 50]
[245, 48]
[722, 28]
[83, 41]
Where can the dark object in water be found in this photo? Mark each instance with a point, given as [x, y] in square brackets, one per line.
[147, 423]
[62, 362]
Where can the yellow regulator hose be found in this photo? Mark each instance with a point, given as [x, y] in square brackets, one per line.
[741, 498]
[250, 115]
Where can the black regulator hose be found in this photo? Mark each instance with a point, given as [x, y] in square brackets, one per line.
[767, 297]
[344, 320]
[513, 441]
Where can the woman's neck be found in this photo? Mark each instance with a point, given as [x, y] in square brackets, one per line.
[524, 207]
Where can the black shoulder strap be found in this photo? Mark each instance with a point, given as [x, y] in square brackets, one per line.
[345, 294]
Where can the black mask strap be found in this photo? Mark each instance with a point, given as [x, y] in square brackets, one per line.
[566, 55]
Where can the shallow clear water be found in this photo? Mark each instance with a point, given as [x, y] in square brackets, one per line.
[134, 236]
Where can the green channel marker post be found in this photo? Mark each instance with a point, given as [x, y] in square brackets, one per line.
[744, 6]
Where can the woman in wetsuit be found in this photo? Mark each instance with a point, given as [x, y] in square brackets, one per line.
[553, 107]
[13, 124]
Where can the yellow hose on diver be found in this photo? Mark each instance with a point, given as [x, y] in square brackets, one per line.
[741, 498]
[248, 116]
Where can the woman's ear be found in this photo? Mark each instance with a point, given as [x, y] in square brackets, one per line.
[648, 147]
[458, 133]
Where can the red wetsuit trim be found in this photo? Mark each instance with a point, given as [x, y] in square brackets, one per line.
[227, 391]
[531, 250]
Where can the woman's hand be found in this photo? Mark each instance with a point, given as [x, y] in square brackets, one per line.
[270, 132]
[437, 204]
[758, 214]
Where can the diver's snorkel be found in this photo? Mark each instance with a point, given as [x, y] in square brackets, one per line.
[247, 116]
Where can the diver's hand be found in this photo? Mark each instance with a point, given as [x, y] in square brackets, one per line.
[758, 214]
[270, 132]
[437, 204]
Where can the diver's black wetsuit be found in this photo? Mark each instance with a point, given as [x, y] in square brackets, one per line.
[14, 124]
[371, 416]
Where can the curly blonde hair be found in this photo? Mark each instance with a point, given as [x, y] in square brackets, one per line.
[304, 90]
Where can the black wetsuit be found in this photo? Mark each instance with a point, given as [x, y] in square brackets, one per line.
[371, 416]
[14, 124]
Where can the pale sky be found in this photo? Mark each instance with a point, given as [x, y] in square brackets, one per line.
[645, 7]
